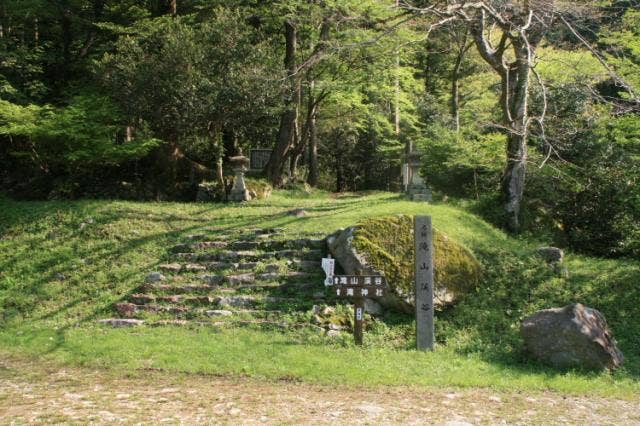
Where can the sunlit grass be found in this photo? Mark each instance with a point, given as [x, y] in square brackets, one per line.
[103, 261]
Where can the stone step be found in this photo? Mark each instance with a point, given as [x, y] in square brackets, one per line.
[250, 277]
[265, 324]
[307, 265]
[121, 322]
[130, 310]
[181, 304]
[298, 244]
[255, 313]
[250, 255]
[245, 301]
[181, 289]
[283, 325]
[263, 231]
[240, 308]
[147, 299]
[201, 245]
[297, 265]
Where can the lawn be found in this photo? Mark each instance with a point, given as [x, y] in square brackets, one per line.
[64, 264]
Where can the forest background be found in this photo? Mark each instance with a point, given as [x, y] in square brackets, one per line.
[147, 99]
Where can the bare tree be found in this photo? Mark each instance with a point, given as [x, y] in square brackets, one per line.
[506, 34]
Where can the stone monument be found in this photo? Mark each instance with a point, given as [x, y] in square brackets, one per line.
[240, 165]
[416, 189]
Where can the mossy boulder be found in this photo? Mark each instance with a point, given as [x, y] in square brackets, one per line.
[259, 189]
[385, 246]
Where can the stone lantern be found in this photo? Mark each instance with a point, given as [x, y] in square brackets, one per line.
[416, 188]
[240, 165]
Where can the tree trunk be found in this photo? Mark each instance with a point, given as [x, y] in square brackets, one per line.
[314, 173]
[173, 6]
[517, 99]
[463, 47]
[288, 120]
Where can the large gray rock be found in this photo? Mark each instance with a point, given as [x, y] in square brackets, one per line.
[340, 245]
[573, 336]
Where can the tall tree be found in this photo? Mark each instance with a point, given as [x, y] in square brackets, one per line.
[521, 26]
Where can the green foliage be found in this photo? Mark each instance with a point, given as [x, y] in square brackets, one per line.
[623, 41]
[192, 82]
[592, 205]
[463, 164]
[80, 135]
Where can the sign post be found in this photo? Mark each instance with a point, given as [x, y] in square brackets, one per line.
[358, 288]
[423, 234]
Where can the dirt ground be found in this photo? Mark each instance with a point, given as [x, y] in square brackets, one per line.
[42, 393]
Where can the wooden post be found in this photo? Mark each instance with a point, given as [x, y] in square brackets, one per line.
[358, 320]
[423, 234]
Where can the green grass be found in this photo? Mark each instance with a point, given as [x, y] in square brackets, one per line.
[104, 261]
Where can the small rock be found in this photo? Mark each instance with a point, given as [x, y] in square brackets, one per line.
[337, 327]
[269, 276]
[328, 310]
[316, 319]
[171, 267]
[273, 267]
[154, 277]
[235, 412]
[371, 410]
[194, 267]
[297, 213]
[551, 254]
[241, 278]
[59, 277]
[372, 307]
[458, 423]
[333, 333]
[212, 279]
[495, 399]
[316, 309]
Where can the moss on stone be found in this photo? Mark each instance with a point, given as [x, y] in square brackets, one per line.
[387, 245]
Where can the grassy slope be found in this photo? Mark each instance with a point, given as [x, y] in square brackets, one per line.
[107, 259]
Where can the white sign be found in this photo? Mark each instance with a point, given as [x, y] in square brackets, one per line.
[328, 265]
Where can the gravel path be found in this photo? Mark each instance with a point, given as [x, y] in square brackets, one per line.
[37, 393]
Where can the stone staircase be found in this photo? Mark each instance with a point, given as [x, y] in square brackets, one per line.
[253, 278]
